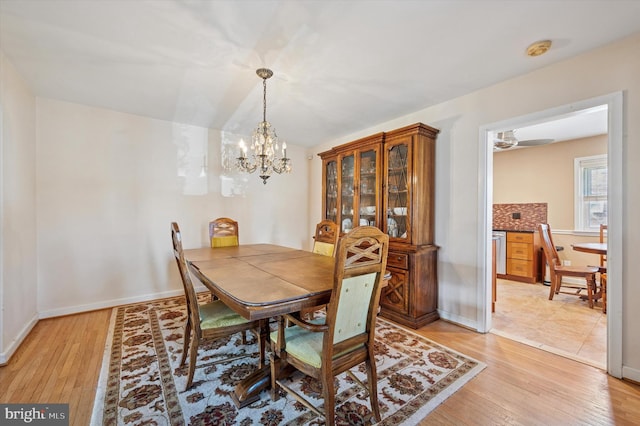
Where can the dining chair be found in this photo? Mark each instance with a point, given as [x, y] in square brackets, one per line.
[603, 289]
[324, 243]
[326, 237]
[344, 338]
[603, 239]
[211, 320]
[602, 269]
[223, 232]
[559, 271]
[604, 229]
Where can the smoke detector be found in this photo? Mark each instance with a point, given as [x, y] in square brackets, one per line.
[538, 48]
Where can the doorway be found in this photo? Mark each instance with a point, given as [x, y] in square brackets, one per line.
[613, 104]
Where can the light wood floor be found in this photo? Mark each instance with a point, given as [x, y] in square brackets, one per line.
[59, 362]
[565, 325]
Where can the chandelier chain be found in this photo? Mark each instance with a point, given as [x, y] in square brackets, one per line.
[264, 99]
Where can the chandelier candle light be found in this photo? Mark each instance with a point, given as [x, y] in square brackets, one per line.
[265, 149]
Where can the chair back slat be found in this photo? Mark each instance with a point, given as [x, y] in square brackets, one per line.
[549, 248]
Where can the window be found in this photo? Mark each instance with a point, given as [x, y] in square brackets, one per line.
[590, 192]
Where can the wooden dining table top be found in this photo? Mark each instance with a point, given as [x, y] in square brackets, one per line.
[263, 280]
[593, 248]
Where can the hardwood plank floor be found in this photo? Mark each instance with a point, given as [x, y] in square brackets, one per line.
[528, 386]
[60, 360]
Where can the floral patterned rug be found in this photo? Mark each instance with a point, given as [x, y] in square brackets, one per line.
[142, 384]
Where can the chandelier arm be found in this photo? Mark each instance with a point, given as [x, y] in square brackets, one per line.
[243, 164]
[284, 168]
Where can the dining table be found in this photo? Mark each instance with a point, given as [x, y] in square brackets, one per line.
[593, 248]
[261, 281]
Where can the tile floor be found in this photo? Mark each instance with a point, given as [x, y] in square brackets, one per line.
[565, 325]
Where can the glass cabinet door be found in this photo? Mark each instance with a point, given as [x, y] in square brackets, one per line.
[347, 191]
[368, 195]
[331, 200]
[397, 196]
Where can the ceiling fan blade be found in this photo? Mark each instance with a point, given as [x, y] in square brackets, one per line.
[535, 142]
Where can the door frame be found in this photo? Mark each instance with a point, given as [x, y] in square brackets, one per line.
[615, 112]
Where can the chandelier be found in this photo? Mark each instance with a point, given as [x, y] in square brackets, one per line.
[265, 156]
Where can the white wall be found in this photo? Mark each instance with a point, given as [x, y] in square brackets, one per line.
[108, 188]
[18, 295]
[607, 70]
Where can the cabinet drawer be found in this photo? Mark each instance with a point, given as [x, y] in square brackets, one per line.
[518, 267]
[521, 251]
[520, 237]
[398, 260]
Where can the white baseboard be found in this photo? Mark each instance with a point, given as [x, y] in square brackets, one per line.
[109, 303]
[631, 374]
[69, 310]
[458, 320]
[6, 355]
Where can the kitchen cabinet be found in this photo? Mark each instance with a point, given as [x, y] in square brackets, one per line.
[523, 257]
[392, 187]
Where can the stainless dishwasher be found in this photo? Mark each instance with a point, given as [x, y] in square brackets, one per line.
[501, 251]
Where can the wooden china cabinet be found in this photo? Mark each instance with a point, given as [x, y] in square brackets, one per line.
[351, 183]
[387, 180]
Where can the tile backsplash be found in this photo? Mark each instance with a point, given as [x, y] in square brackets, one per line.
[519, 217]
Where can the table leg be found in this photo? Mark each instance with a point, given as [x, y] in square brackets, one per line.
[596, 293]
[248, 390]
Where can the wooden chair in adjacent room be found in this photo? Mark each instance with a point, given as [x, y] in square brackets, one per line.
[603, 268]
[223, 232]
[324, 243]
[211, 320]
[559, 271]
[344, 339]
[603, 239]
[603, 289]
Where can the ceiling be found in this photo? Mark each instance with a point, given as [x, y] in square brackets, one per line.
[339, 66]
[577, 124]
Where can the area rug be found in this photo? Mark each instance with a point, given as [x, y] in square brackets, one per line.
[141, 382]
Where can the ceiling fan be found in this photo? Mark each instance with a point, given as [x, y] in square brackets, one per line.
[507, 139]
